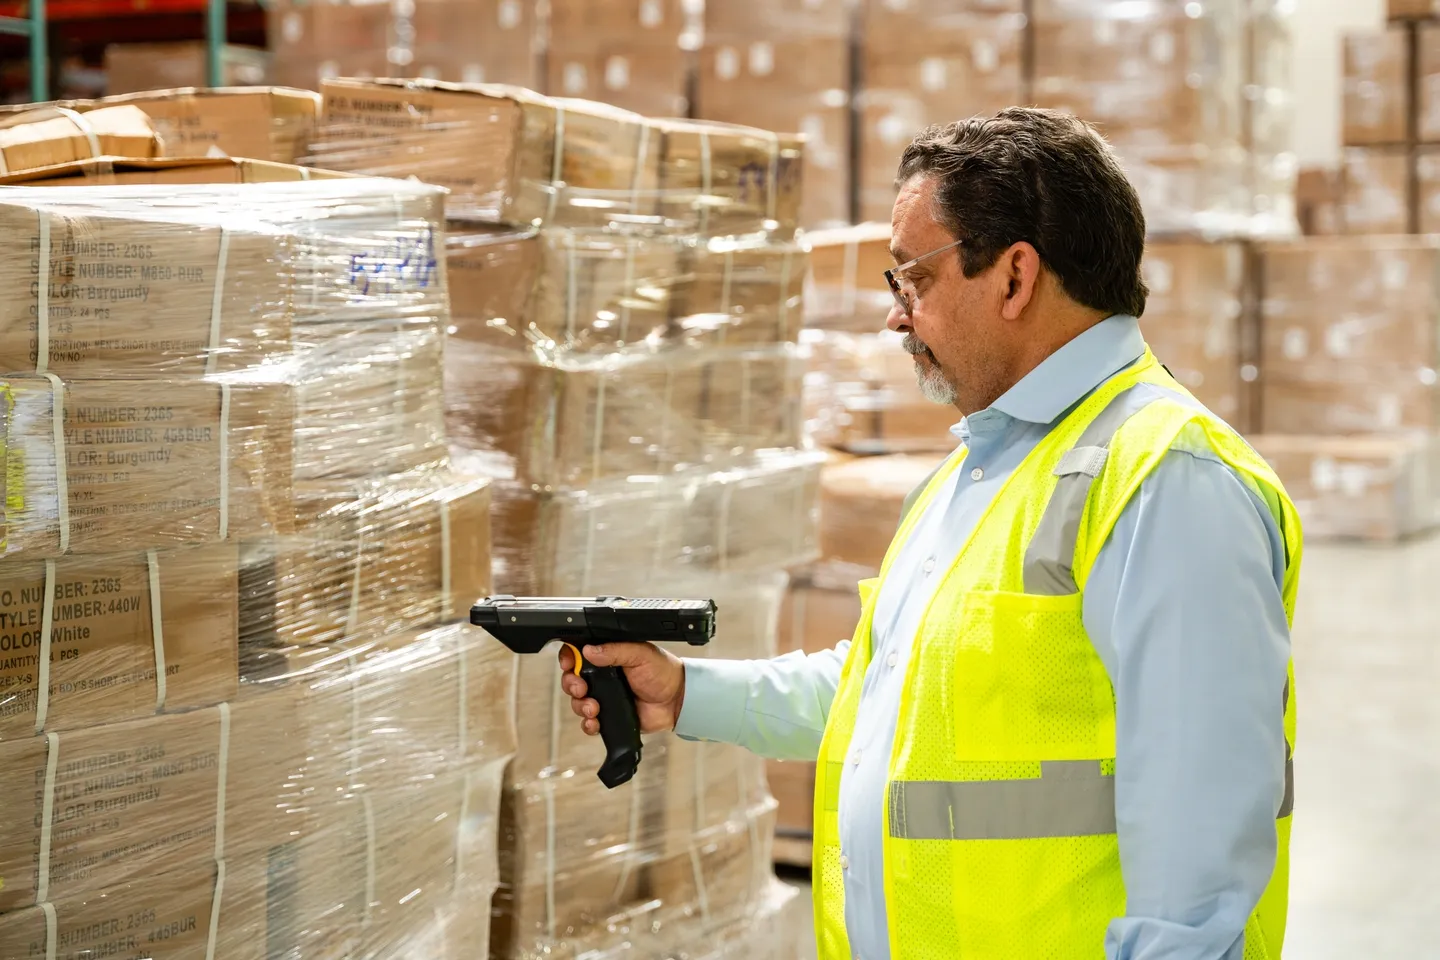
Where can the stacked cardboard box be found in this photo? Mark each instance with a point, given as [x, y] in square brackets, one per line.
[622, 357]
[1391, 129]
[786, 66]
[474, 41]
[861, 394]
[633, 54]
[256, 123]
[136, 67]
[1349, 352]
[237, 698]
[928, 63]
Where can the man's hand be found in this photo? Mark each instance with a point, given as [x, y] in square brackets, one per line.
[656, 676]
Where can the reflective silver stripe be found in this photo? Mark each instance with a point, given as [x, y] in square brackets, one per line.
[1047, 570]
[1069, 799]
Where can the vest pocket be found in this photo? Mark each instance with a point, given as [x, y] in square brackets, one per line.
[1025, 681]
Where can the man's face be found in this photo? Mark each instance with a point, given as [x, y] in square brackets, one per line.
[952, 323]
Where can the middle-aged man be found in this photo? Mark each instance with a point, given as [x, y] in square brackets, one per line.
[1063, 726]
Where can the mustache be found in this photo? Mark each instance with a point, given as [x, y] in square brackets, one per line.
[915, 347]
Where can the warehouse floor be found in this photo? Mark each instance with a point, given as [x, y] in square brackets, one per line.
[1365, 877]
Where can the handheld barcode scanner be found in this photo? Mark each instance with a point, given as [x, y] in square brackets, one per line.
[528, 624]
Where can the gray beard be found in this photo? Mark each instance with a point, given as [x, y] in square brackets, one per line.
[933, 385]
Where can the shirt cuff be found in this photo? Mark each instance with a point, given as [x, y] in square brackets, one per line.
[715, 695]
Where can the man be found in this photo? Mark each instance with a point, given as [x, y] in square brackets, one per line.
[1063, 726]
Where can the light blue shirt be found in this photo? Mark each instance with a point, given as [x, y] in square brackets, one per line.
[1184, 608]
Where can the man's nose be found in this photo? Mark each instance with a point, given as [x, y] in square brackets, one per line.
[897, 320]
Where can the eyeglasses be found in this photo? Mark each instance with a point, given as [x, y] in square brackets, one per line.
[901, 297]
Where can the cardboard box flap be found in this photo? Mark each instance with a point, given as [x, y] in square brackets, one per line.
[49, 135]
[119, 170]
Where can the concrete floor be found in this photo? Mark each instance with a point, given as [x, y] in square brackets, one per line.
[1365, 879]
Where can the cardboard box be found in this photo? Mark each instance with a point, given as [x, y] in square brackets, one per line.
[1427, 83]
[893, 27]
[746, 20]
[372, 558]
[727, 868]
[42, 137]
[476, 41]
[1376, 106]
[817, 617]
[580, 420]
[860, 503]
[846, 287]
[494, 148]
[756, 516]
[1427, 189]
[132, 800]
[102, 656]
[1319, 201]
[633, 73]
[976, 69]
[1348, 487]
[314, 42]
[145, 463]
[1193, 320]
[109, 171]
[133, 67]
[1376, 190]
[1407, 9]
[492, 276]
[652, 21]
[258, 123]
[741, 292]
[135, 298]
[799, 85]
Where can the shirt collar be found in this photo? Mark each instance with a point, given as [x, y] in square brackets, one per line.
[1069, 374]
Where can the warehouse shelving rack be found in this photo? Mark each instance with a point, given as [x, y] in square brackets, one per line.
[32, 19]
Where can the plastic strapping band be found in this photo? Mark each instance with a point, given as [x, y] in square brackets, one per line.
[572, 304]
[157, 627]
[4, 167]
[369, 856]
[47, 815]
[62, 478]
[352, 613]
[224, 461]
[642, 153]
[42, 296]
[632, 842]
[722, 535]
[784, 307]
[773, 188]
[217, 302]
[222, 781]
[304, 173]
[557, 166]
[550, 854]
[726, 279]
[47, 626]
[466, 787]
[52, 928]
[699, 881]
[595, 454]
[628, 290]
[446, 581]
[849, 270]
[354, 760]
[215, 902]
[707, 185]
[84, 127]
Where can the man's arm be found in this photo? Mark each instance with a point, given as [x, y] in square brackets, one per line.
[1184, 606]
[776, 708]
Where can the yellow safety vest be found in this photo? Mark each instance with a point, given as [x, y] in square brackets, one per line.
[1000, 836]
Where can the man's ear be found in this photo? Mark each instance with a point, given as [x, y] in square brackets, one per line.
[1019, 271]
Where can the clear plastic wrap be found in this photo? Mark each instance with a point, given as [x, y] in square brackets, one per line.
[1376, 107]
[860, 503]
[1349, 336]
[1194, 320]
[785, 66]
[471, 41]
[1270, 118]
[514, 157]
[1358, 488]
[255, 123]
[44, 136]
[861, 392]
[240, 714]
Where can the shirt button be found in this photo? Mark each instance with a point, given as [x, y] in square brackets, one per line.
[977, 474]
[893, 659]
[844, 862]
[855, 758]
[929, 565]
